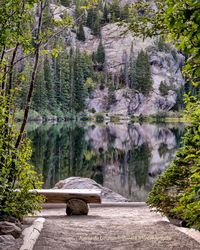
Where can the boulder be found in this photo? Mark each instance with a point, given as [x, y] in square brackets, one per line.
[10, 228]
[107, 195]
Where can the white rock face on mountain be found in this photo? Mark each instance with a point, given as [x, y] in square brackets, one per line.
[165, 67]
[118, 41]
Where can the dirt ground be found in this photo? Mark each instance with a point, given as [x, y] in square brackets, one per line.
[111, 228]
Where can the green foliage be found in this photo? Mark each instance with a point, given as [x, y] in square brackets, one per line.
[176, 192]
[40, 99]
[66, 3]
[99, 56]
[115, 10]
[17, 176]
[80, 33]
[33, 115]
[91, 16]
[163, 88]
[181, 29]
[59, 81]
[143, 73]
[99, 117]
[49, 84]
[96, 29]
[93, 21]
[124, 15]
[161, 45]
[90, 85]
[66, 88]
[105, 14]
[111, 96]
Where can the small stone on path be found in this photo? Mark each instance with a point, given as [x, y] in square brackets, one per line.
[10, 228]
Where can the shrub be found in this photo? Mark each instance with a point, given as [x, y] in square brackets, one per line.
[81, 33]
[176, 193]
[163, 88]
[99, 117]
[111, 96]
[17, 176]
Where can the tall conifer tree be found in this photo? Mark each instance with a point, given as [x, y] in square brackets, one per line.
[143, 73]
[48, 79]
[65, 82]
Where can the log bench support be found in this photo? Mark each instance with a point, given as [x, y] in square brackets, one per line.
[76, 199]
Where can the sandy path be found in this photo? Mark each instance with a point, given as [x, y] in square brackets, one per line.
[111, 228]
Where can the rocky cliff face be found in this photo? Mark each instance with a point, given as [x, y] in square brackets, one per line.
[119, 43]
[164, 67]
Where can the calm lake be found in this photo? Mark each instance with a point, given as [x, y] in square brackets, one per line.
[124, 157]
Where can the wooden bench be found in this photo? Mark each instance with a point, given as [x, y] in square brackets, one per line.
[76, 199]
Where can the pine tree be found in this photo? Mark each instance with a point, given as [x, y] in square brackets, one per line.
[115, 10]
[124, 15]
[163, 88]
[100, 55]
[47, 17]
[96, 28]
[66, 3]
[105, 14]
[48, 79]
[143, 73]
[87, 66]
[65, 82]
[81, 33]
[56, 74]
[40, 99]
[91, 15]
[79, 90]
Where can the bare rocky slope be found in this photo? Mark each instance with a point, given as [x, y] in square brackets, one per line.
[120, 45]
[164, 67]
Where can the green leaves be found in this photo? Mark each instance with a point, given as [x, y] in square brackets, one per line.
[177, 192]
[15, 171]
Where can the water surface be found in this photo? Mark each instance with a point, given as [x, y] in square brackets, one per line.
[124, 157]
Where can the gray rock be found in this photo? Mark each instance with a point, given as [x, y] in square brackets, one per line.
[10, 228]
[107, 194]
[7, 242]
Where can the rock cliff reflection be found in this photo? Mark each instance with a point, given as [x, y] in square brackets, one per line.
[124, 157]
